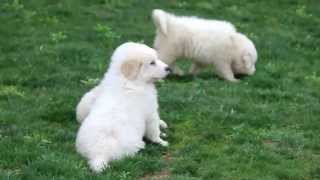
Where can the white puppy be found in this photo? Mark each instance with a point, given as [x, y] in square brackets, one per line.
[88, 99]
[206, 42]
[125, 109]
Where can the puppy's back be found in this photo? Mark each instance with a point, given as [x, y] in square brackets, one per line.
[200, 24]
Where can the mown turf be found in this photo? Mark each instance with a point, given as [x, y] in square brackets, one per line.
[266, 127]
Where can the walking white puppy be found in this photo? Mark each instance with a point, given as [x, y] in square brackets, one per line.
[126, 108]
[206, 42]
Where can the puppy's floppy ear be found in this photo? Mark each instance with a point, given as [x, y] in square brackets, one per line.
[160, 20]
[246, 60]
[130, 69]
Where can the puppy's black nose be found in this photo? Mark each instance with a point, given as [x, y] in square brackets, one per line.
[168, 69]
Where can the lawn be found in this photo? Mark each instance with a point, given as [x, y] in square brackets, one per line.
[265, 127]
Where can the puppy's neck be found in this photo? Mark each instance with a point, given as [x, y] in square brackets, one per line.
[136, 86]
[121, 83]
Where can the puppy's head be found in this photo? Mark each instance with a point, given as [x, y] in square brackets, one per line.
[138, 62]
[245, 65]
[246, 56]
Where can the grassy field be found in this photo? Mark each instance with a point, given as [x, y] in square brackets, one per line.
[266, 127]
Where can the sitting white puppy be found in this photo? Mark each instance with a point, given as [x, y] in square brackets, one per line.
[206, 42]
[88, 99]
[125, 109]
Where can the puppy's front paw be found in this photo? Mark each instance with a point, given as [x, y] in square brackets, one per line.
[164, 143]
[231, 79]
[161, 142]
[234, 80]
[163, 124]
[163, 135]
[178, 71]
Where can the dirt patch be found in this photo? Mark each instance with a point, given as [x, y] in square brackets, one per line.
[165, 174]
[167, 157]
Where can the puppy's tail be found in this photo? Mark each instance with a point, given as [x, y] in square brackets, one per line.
[160, 19]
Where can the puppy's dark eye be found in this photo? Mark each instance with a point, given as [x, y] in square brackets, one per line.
[153, 63]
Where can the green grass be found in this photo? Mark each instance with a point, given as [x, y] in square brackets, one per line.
[266, 127]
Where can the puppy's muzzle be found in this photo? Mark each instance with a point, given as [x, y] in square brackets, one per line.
[168, 69]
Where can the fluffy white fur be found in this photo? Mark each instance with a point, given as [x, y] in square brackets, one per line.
[123, 108]
[206, 42]
[86, 102]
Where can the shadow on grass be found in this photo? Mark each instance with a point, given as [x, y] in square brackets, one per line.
[190, 77]
[202, 76]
